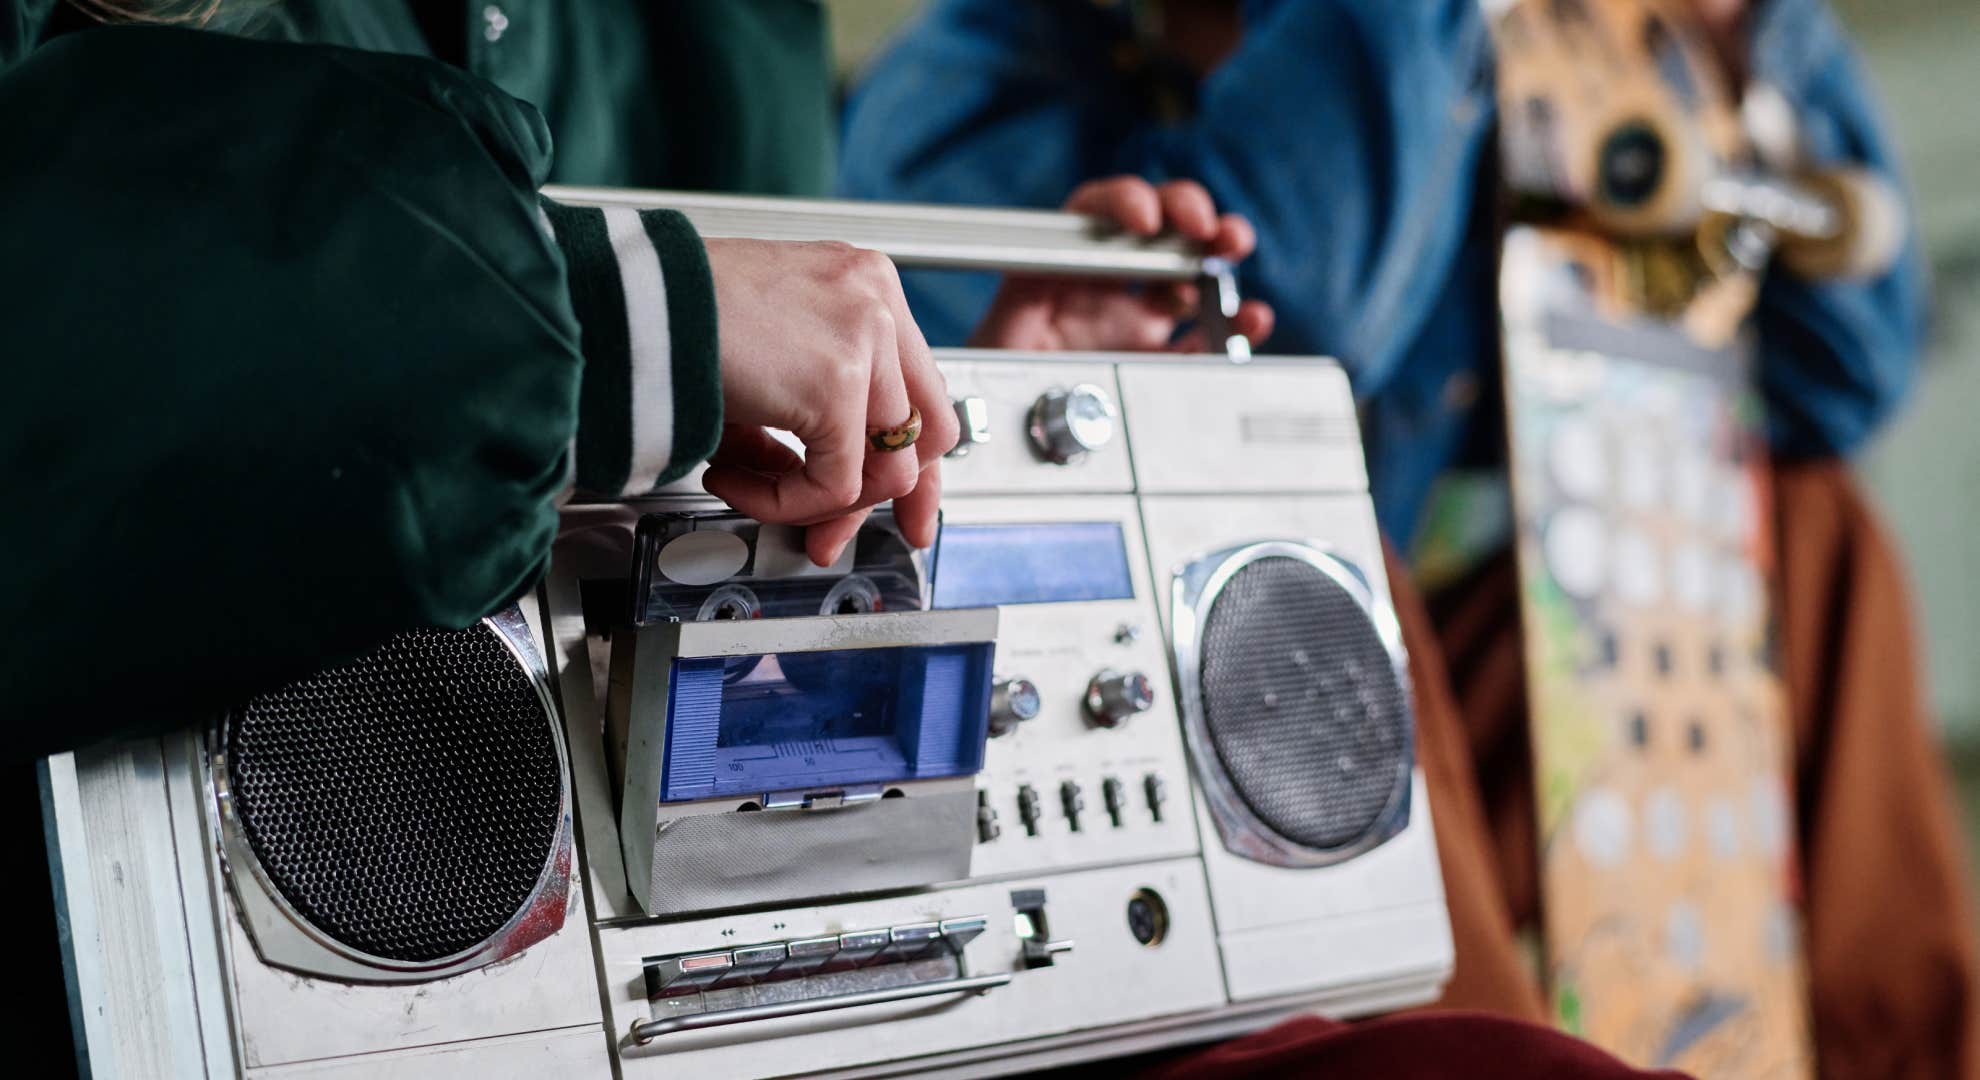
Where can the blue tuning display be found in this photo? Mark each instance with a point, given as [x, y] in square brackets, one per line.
[747, 725]
[1054, 563]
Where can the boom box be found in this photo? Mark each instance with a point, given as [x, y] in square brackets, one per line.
[1126, 761]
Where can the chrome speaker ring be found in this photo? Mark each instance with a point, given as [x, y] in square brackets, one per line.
[284, 937]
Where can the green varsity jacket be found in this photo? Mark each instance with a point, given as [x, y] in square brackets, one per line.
[297, 357]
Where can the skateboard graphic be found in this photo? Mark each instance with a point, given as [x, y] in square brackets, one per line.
[1639, 227]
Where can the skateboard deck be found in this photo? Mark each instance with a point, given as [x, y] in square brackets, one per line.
[1671, 932]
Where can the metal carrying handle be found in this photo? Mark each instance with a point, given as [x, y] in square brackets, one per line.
[956, 238]
[645, 1031]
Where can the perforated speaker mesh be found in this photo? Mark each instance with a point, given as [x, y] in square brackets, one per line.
[1302, 703]
[405, 804]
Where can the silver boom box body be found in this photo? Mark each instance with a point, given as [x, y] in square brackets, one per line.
[1141, 774]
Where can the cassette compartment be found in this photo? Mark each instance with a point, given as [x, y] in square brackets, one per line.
[764, 759]
[698, 566]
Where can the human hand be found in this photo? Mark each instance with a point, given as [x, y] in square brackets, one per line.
[1057, 313]
[816, 340]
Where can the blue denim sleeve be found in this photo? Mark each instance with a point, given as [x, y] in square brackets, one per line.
[1836, 356]
[1348, 131]
[988, 103]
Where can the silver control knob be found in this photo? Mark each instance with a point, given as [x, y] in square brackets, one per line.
[1066, 425]
[1114, 697]
[1012, 702]
[972, 425]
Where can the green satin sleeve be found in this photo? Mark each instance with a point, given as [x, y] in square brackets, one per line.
[290, 366]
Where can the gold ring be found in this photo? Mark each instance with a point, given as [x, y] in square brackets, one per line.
[899, 437]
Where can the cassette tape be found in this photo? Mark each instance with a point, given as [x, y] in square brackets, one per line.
[752, 681]
[697, 566]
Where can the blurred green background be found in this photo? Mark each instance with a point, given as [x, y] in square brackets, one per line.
[1925, 469]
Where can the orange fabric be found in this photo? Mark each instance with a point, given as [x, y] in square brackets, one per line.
[1488, 972]
[1890, 950]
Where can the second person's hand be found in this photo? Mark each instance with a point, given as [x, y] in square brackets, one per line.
[1052, 314]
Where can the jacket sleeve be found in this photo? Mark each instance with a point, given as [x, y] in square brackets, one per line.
[1348, 131]
[294, 363]
[1837, 357]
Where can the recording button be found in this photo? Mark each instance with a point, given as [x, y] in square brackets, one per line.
[1114, 794]
[960, 932]
[1073, 801]
[688, 974]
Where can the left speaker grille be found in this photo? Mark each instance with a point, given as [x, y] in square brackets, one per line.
[1303, 705]
[405, 804]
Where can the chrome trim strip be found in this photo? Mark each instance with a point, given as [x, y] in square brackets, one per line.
[957, 237]
[645, 1031]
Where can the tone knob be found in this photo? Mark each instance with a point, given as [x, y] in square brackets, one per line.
[1115, 696]
[1066, 425]
[1012, 702]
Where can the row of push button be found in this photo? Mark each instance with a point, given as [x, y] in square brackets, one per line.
[778, 960]
[1072, 803]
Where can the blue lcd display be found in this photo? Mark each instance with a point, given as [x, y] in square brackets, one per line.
[747, 725]
[1054, 563]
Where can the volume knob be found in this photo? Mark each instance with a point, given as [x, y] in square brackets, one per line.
[1012, 702]
[1066, 425]
[1114, 697]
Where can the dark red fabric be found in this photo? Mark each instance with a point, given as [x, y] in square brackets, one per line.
[1420, 1046]
[1488, 972]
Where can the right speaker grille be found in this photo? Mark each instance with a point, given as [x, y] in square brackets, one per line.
[1303, 704]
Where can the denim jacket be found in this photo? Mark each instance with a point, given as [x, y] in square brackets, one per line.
[1358, 135]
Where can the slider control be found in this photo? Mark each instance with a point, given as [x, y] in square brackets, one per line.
[1034, 932]
[1028, 809]
[987, 828]
[1074, 802]
[1113, 794]
[1158, 793]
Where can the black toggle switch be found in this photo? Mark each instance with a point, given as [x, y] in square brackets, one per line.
[1074, 802]
[987, 828]
[1158, 793]
[1028, 811]
[1114, 795]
